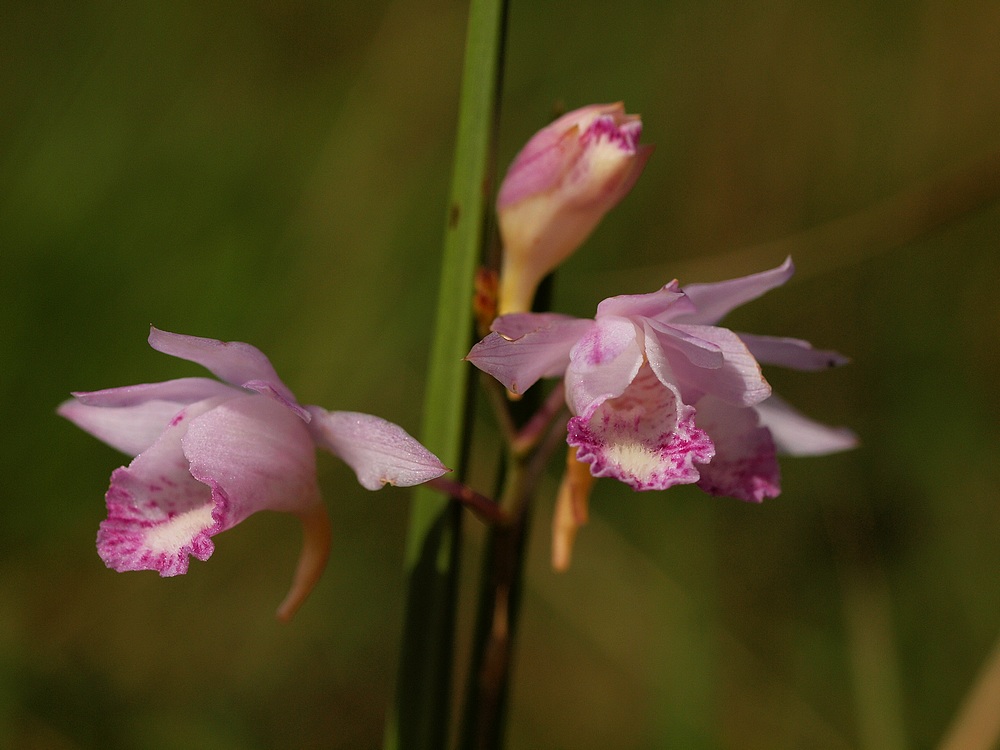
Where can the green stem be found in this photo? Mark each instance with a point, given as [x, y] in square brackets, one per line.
[484, 719]
[419, 720]
[496, 624]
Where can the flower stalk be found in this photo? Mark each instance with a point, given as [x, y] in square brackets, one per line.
[484, 718]
[420, 717]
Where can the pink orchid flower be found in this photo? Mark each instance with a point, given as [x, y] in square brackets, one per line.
[208, 454]
[660, 395]
[560, 185]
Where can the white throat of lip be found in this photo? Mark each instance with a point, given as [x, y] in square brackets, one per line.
[179, 530]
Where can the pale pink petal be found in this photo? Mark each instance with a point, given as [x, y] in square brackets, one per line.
[541, 165]
[797, 435]
[714, 301]
[691, 342]
[518, 363]
[547, 155]
[380, 452]
[132, 417]
[181, 391]
[794, 353]
[745, 465]
[130, 429]
[602, 364]
[255, 454]
[674, 359]
[669, 298]
[646, 437]
[233, 361]
[516, 325]
[158, 514]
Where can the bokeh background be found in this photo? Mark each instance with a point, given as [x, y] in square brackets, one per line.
[276, 172]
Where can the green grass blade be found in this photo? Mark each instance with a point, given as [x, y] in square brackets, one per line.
[423, 697]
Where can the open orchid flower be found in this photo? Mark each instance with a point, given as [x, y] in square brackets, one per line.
[560, 185]
[209, 453]
[660, 395]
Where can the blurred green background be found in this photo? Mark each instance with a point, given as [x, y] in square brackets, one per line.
[276, 172]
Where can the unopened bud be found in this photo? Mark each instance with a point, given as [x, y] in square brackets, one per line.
[560, 185]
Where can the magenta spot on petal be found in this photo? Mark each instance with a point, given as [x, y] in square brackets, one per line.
[589, 349]
[604, 127]
[177, 420]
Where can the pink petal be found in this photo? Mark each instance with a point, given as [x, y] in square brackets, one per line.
[693, 343]
[255, 454]
[745, 465]
[235, 362]
[380, 452]
[797, 435]
[158, 514]
[516, 325]
[675, 359]
[646, 437]
[714, 301]
[518, 363]
[794, 353]
[602, 364]
[669, 298]
[131, 418]
[540, 165]
[181, 391]
[130, 429]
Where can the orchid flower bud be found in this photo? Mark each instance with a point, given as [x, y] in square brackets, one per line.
[558, 188]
